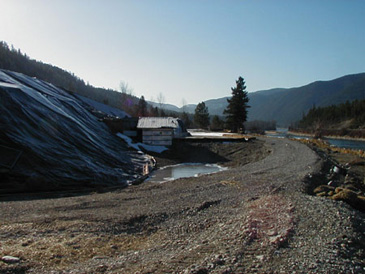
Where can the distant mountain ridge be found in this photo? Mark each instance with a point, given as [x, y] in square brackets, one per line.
[287, 105]
[284, 105]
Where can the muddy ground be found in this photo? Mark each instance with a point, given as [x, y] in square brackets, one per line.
[230, 154]
[255, 217]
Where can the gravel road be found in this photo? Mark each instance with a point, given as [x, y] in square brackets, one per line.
[252, 218]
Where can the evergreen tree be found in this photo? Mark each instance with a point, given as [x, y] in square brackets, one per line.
[142, 107]
[162, 113]
[217, 123]
[186, 119]
[331, 116]
[201, 116]
[154, 112]
[236, 110]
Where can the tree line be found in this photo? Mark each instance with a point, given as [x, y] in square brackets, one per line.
[347, 119]
[330, 116]
[14, 60]
[234, 116]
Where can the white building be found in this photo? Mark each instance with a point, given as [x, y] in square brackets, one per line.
[161, 130]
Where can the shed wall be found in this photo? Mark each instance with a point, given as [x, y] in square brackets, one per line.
[157, 137]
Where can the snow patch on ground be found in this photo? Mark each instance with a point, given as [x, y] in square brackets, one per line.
[206, 134]
[138, 146]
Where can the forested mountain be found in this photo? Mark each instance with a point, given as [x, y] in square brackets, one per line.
[15, 60]
[347, 115]
[287, 106]
[169, 107]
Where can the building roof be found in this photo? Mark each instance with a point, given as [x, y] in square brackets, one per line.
[157, 122]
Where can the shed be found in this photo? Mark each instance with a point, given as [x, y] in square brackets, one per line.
[161, 130]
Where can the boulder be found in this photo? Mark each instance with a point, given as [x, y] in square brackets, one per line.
[323, 188]
[344, 194]
[10, 259]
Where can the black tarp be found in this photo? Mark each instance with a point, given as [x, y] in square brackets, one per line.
[61, 143]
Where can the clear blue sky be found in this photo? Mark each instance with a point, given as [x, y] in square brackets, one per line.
[191, 50]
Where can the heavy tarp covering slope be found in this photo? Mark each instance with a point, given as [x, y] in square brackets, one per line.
[103, 108]
[62, 144]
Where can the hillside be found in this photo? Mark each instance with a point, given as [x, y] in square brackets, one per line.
[347, 119]
[15, 60]
[287, 106]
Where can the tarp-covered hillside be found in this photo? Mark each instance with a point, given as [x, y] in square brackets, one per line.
[48, 140]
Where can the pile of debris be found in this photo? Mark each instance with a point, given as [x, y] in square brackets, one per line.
[344, 186]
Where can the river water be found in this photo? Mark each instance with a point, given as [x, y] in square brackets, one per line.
[343, 143]
[182, 171]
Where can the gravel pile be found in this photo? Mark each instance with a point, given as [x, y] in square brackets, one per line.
[252, 218]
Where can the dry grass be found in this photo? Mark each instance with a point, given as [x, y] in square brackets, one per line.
[46, 247]
[232, 183]
[325, 146]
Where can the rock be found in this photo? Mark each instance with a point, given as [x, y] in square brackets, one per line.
[228, 270]
[261, 258]
[202, 270]
[332, 183]
[344, 194]
[339, 170]
[323, 188]
[360, 203]
[219, 261]
[338, 189]
[10, 259]
[100, 257]
[350, 197]
[197, 270]
[323, 194]
[352, 187]
[101, 268]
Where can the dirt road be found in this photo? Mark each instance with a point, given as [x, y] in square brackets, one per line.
[251, 218]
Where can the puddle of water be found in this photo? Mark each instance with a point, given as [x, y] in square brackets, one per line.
[170, 173]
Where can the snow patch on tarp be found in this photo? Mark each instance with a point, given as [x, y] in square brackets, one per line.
[138, 146]
[103, 107]
[62, 143]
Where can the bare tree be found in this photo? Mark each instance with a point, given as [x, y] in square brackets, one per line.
[183, 103]
[126, 98]
[125, 88]
[161, 100]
